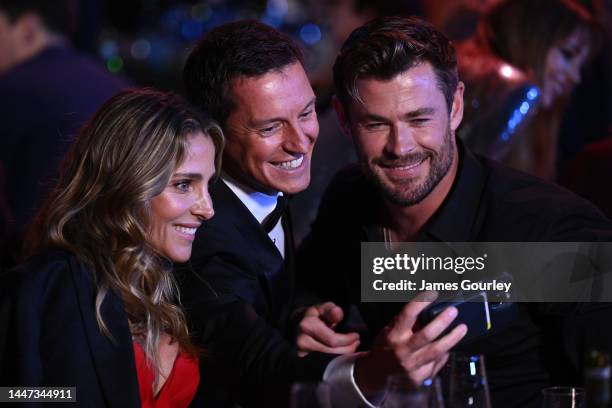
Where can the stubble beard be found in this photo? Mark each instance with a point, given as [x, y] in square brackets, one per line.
[410, 192]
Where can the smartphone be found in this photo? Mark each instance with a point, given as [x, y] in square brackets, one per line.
[473, 311]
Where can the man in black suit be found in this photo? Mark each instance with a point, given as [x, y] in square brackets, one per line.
[400, 99]
[238, 287]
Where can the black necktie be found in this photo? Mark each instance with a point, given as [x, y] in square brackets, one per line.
[271, 220]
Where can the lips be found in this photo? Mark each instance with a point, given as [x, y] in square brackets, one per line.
[402, 165]
[187, 231]
[404, 170]
[290, 164]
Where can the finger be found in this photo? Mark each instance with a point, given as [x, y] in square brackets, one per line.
[433, 329]
[328, 311]
[440, 363]
[309, 344]
[322, 307]
[434, 351]
[451, 339]
[405, 320]
[318, 330]
[418, 375]
[332, 315]
[312, 311]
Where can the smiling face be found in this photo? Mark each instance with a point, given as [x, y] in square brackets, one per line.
[403, 133]
[179, 210]
[562, 67]
[271, 130]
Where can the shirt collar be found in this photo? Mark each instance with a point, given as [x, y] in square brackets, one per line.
[258, 203]
[459, 216]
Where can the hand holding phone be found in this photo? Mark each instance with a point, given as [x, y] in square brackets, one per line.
[401, 348]
[473, 311]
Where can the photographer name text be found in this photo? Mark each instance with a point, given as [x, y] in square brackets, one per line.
[466, 284]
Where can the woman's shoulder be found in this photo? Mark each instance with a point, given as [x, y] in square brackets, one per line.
[52, 267]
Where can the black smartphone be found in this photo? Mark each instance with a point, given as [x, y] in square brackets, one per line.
[473, 311]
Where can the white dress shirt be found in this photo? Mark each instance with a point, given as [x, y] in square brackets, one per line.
[260, 205]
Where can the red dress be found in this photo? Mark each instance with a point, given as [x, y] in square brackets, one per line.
[180, 386]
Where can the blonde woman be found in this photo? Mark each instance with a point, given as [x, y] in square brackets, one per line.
[96, 307]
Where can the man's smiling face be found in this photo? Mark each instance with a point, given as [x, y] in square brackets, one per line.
[404, 132]
[271, 130]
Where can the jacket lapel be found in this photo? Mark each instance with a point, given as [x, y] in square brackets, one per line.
[113, 359]
[267, 257]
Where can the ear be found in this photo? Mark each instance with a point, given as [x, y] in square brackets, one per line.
[342, 117]
[456, 114]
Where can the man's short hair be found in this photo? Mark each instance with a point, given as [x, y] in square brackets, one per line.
[244, 48]
[58, 15]
[388, 46]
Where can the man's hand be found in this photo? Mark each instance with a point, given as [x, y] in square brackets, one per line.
[401, 349]
[315, 331]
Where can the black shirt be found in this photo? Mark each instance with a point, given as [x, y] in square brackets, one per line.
[546, 343]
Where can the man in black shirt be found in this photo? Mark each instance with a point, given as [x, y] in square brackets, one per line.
[399, 98]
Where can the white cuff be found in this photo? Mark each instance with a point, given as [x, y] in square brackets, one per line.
[339, 375]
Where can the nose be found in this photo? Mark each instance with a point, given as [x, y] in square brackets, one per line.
[203, 207]
[300, 136]
[400, 141]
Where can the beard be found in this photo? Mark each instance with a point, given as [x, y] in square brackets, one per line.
[411, 191]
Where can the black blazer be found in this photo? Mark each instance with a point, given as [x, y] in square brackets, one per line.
[49, 335]
[237, 292]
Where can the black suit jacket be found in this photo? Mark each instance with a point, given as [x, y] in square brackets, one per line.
[237, 292]
[547, 343]
[49, 335]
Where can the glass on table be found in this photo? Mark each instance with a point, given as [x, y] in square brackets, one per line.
[401, 393]
[464, 380]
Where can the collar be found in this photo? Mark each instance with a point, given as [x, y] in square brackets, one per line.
[459, 217]
[258, 203]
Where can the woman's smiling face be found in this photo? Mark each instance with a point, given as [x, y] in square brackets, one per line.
[179, 210]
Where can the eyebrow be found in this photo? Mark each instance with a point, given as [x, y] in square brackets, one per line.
[407, 116]
[272, 120]
[420, 112]
[192, 176]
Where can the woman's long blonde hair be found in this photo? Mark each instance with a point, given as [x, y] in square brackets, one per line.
[99, 209]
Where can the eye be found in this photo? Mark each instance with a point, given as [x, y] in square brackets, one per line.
[307, 113]
[270, 130]
[419, 121]
[183, 185]
[374, 126]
